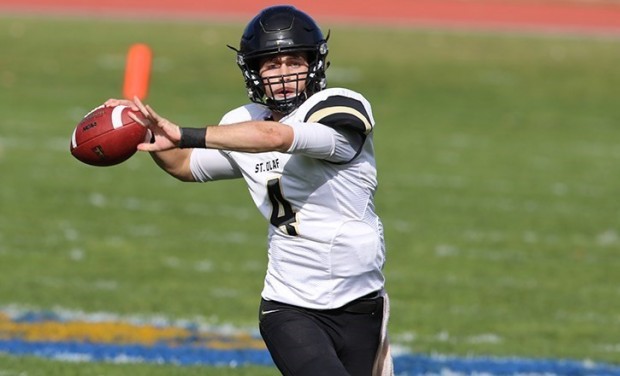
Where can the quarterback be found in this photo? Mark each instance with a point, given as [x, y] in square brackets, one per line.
[306, 154]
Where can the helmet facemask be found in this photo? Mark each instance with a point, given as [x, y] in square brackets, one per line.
[284, 93]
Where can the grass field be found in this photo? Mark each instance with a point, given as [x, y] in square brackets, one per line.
[498, 165]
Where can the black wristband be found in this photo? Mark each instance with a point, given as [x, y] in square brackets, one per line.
[193, 138]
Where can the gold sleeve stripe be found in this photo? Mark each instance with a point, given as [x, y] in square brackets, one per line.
[320, 114]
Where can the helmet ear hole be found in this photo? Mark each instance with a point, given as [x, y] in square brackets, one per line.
[276, 30]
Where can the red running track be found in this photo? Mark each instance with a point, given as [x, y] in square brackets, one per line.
[530, 15]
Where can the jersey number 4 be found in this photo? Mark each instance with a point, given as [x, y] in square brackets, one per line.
[282, 214]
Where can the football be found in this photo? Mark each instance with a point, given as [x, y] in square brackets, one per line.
[107, 136]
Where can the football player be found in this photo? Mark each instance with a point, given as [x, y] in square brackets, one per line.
[306, 153]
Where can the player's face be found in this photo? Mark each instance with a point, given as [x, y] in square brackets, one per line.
[284, 76]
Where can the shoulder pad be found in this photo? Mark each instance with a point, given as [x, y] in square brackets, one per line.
[341, 111]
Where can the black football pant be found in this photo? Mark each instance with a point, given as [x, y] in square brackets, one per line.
[334, 342]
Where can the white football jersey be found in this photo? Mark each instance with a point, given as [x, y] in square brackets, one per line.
[326, 244]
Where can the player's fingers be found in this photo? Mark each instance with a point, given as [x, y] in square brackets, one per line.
[141, 107]
[113, 102]
[159, 145]
[155, 115]
[148, 112]
[142, 121]
[170, 129]
[147, 147]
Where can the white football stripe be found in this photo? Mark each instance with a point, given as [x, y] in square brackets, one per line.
[73, 140]
[117, 120]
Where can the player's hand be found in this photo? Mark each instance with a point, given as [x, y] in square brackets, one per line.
[113, 102]
[166, 134]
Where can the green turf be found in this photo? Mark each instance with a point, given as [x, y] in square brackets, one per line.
[498, 166]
